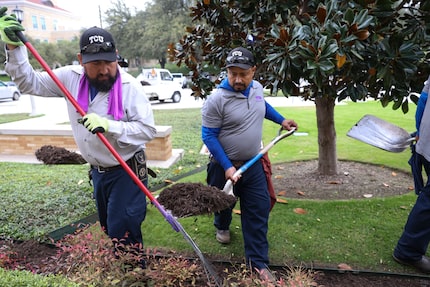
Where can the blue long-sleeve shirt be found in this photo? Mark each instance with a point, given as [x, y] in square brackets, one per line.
[420, 110]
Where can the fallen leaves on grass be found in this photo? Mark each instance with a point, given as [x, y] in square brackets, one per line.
[299, 210]
[281, 200]
[344, 266]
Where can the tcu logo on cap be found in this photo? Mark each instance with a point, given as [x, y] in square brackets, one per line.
[96, 39]
[237, 53]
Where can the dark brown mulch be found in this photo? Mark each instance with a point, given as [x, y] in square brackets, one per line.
[40, 258]
[354, 180]
[30, 254]
[368, 280]
[49, 154]
[188, 199]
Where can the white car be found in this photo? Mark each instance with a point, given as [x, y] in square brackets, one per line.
[158, 85]
[8, 90]
[180, 79]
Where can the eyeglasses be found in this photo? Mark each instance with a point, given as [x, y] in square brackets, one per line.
[97, 47]
[239, 60]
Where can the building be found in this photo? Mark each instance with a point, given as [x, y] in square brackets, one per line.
[44, 21]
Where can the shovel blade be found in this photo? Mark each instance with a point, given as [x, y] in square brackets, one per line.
[228, 188]
[379, 133]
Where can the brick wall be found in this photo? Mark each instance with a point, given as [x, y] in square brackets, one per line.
[26, 143]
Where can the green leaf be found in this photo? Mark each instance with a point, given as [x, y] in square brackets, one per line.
[405, 107]
[397, 104]
[330, 49]
[275, 31]
[349, 16]
[311, 65]
[326, 66]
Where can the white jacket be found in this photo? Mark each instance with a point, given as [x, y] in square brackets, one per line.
[126, 136]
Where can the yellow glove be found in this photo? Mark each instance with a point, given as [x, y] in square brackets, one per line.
[9, 26]
[95, 123]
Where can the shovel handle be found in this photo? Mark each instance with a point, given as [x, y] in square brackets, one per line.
[228, 187]
[280, 136]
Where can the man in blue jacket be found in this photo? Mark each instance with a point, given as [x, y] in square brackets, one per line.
[412, 245]
[232, 127]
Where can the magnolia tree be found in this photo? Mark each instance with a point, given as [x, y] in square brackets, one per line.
[323, 51]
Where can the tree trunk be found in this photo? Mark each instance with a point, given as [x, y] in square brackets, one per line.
[327, 154]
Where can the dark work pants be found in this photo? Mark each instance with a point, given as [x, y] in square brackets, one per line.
[254, 206]
[121, 205]
[415, 239]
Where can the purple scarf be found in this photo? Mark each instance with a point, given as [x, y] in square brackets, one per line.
[115, 97]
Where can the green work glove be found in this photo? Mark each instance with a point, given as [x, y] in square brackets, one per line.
[8, 28]
[95, 123]
[3, 11]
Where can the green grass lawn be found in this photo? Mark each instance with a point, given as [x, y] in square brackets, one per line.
[8, 118]
[361, 233]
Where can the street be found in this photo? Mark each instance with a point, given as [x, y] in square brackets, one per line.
[56, 108]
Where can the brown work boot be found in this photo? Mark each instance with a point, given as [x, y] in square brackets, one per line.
[223, 236]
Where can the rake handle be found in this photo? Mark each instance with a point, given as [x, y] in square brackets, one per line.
[175, 224]
[167, 215]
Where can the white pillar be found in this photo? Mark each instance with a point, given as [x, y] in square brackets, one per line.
[34, 111]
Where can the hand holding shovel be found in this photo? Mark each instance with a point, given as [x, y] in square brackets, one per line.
[228, 187]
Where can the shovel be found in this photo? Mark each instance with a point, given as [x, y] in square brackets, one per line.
[167, 215]
[228, 187]
[379, 133]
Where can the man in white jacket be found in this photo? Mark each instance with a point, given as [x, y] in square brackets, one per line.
[115, 104]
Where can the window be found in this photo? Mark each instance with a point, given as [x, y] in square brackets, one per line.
[34, 21]
[55, 24]
[165, 76]
[43, 23]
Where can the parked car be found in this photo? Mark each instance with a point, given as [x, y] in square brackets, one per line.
[8, 90]
[180, 79]
[158, 85]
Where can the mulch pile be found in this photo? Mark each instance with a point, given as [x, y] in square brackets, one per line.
[58, 155]
[188, 199]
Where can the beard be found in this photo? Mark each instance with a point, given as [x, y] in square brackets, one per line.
[103, 85]
[239, 87]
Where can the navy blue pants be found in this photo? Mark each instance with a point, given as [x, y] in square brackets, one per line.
[254, 206]
[415, 239]
[121, 205]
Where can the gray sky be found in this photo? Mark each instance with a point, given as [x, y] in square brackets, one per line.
[89, 9]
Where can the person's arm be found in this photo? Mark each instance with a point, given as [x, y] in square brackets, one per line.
[420, 110]
[30, 81]
[210, 139]
[274, 116]
[421, 105]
